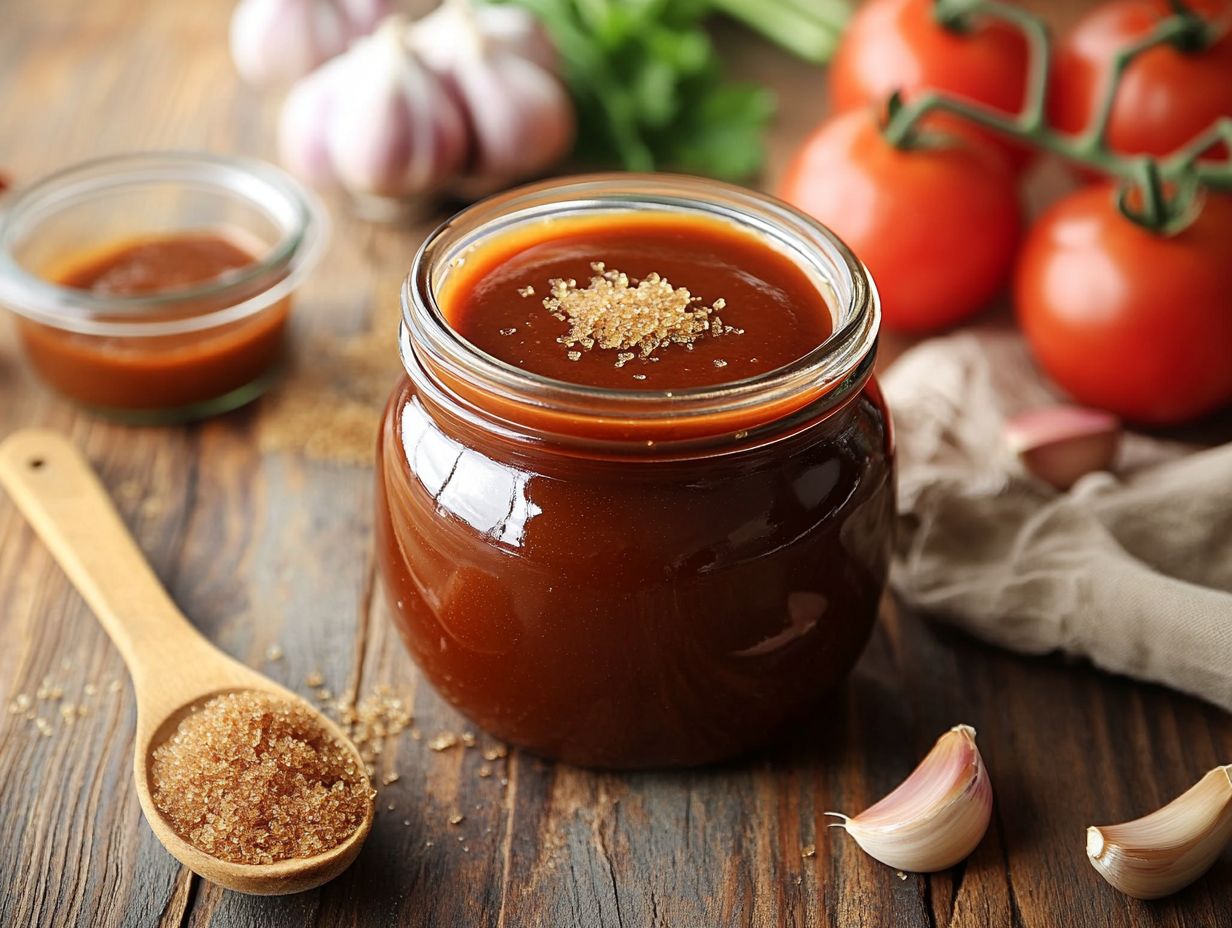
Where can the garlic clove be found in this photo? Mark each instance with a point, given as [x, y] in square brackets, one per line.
[936, 817]
[1060, 444]
[1167, 850]
[278, 41]
[400, 132]
[520, 115]
[508, 28]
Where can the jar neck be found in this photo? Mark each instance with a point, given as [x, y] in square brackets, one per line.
[449, 372]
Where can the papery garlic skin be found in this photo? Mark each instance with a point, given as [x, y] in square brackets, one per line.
[937, 816]
[276, 42]
[520, 116]
[1165, 851]
[393, 130]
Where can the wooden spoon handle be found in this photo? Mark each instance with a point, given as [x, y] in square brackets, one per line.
[55, 488]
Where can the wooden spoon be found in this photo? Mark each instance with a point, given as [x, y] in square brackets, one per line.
[173, 668]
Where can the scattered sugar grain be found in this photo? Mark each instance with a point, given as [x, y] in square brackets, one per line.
[457, 818]
[810, 850]
[380, 715]
[443, 741]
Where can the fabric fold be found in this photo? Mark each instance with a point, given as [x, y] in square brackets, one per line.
[1131, 569]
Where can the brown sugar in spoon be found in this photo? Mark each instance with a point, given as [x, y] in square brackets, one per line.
[173, 668]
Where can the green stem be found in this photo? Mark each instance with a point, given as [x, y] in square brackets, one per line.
[1168, 187]
[809, 30]
[1171, 30]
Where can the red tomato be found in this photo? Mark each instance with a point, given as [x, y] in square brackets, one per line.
[937, 227]
[1126, 320]
[897, 45]
[1166, 97]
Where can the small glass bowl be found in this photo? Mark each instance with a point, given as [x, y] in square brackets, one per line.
[171, 355]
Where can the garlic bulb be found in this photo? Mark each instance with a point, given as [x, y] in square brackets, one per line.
[1060, 444]
[303, 145]
[520, 116]
[937, 816]
[279, 41]
[509, 28]
[375, 120]
[1167, 850]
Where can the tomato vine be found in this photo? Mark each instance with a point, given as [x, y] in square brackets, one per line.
[1168, 189]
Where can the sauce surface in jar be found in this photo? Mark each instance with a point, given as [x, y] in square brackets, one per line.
[199, 273]
[637, 302]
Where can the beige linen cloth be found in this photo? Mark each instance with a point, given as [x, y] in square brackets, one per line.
[1132, 569]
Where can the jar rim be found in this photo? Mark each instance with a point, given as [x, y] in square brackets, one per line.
[301, 219]
[834, 369]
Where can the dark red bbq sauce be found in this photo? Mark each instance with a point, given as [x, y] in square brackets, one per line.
[780, 313]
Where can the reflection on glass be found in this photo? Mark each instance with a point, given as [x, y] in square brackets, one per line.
[487, 495]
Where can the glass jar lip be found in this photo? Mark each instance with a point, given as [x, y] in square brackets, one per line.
[426, 334]
[300, 215]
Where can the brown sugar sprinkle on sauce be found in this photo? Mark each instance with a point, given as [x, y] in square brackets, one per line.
[252, 778]
[635, 318]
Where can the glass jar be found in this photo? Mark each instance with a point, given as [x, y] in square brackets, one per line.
[169, 355]
[634, 579]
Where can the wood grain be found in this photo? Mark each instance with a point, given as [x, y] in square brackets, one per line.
[171, 666]
[262, 546]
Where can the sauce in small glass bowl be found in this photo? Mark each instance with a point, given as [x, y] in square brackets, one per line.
[156, 287]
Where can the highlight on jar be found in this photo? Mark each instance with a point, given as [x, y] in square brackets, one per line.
[635, 492]
[156, 287]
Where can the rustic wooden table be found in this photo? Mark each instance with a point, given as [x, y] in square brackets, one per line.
[260, 524]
